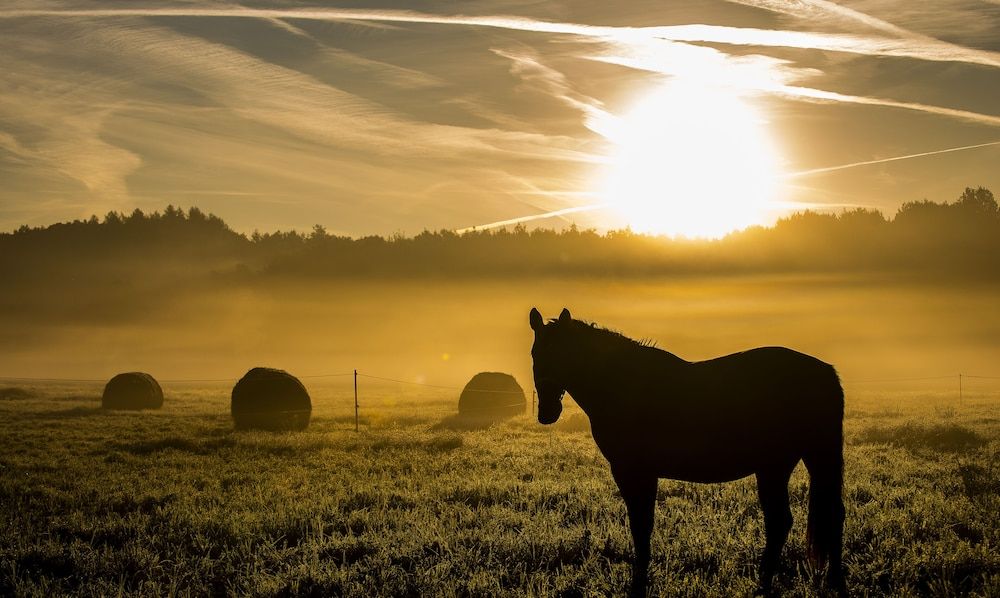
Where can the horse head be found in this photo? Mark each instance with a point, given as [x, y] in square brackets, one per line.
[549, 364]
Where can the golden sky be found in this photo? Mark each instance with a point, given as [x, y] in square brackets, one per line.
[381, 118]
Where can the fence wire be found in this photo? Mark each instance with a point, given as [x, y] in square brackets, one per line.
[922, 378]
[463, 389]
[460, 388]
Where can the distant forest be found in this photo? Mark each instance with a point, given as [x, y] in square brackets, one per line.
[927, 239]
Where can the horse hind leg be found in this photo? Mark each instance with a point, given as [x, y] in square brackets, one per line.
[772, 490]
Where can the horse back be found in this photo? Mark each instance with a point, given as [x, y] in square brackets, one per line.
[719, 419]
[767, 387]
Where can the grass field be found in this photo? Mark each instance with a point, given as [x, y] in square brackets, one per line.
[174, 502]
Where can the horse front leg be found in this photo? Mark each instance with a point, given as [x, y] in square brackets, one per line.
[638, 488]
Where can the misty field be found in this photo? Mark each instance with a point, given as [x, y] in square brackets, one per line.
[175, 502]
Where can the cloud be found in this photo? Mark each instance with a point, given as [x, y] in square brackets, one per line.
[824, 10]
[528, 67]
[951, 18]
[14, 148]
[764, 75]
[973, 23]
[387, 73]
[630, 38]
[912, 47]
[99, 95]
[70, 141]
[123, 67]
[705, 65]
[919, 48]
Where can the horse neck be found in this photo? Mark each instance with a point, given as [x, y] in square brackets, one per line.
[604, 365]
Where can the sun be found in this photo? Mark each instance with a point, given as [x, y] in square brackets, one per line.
[690, 160]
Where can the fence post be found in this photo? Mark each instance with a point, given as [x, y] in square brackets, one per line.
[355, 400]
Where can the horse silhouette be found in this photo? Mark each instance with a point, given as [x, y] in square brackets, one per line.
[655, 415]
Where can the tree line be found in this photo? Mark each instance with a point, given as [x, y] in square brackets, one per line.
[957, 238]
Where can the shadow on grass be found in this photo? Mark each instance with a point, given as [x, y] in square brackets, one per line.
[443, 443]
[951, 438]
[71, 398]
[439, 443]
[979, 481]
[186, 445]
[577, 422]
[363, 420]
[15, 393]
[464, 423]
[72, 412]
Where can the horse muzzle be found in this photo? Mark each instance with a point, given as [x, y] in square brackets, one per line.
[549, 411]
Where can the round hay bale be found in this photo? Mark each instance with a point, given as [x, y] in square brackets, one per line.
[492, 395]
[270, 399]
[132, 390]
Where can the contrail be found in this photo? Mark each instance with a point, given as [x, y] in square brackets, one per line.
[883, 160]
[552, 214]
[819, 95]
[801, 173]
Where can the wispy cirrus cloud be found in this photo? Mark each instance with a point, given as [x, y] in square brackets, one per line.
[631, 38]
[529, 68]
[914, 47]
[388, 73]
[433, 105]
[824, 11]
[936, 22]
[765, 75]
[918, 48]
[131, 62]
[69, 124]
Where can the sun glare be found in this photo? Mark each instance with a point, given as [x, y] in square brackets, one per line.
[691, 161]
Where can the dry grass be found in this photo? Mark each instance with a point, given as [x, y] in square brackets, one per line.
[175, 502]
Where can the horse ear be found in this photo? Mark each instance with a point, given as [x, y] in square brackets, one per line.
[564, 316]
[535, 319]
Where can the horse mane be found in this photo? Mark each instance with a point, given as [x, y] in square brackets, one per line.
[607, 333]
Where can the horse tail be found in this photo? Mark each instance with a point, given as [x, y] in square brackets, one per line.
[825, 462]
